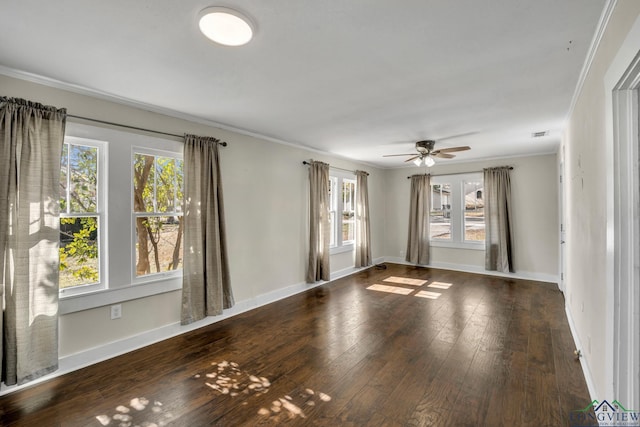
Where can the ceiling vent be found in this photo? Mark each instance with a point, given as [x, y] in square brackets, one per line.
[540, 134]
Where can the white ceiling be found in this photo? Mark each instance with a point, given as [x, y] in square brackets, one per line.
[357, 78]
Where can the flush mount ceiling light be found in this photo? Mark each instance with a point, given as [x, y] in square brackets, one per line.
[225, 26]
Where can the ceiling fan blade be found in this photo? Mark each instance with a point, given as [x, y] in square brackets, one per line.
[452, 149]
[443, 155]
[412, 158]
[396, 155]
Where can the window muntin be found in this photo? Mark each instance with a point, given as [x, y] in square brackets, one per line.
[457, 211]
[82, 222]
[157, 213]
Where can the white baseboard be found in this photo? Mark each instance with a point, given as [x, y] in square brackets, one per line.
[584, 363]
[526, 275]
[113, 349]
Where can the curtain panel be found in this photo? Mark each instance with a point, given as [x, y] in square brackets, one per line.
[31, 139]
[498, 220]
[419, 208]
[363, 228]
[319, 225]
[206, 287]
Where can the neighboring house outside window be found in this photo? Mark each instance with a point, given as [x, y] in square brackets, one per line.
[457, 211]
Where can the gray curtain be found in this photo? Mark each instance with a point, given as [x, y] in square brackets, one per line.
[420, 205]
[319, 226]
[498, 220]
[363, 228]
[206, 285]
[31, 138]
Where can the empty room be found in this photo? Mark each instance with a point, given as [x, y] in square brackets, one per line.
[364, 213]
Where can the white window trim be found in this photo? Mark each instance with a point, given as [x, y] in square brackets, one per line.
[457, 212]
[341, 247]
[118, 151]
[102, 214]
[153, 277]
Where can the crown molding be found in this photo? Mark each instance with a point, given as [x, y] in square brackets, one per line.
[94, 93]
[607, 11]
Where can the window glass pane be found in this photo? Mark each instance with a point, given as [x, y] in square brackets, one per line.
[166, 184]
[473, 211]
[158, 244]
[179, 185]
[440, 217]
[143, 188]
[333, 202]
[83, 168]
[79, 262]
[348, 213]
[348, 227]
[64, 173]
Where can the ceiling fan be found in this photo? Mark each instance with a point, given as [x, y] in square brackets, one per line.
[426, 153]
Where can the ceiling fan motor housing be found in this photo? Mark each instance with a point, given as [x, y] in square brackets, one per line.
[426, 146]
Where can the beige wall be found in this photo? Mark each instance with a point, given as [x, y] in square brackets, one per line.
[266, 193]
[265, 188]
[585, 201]
[534, 182]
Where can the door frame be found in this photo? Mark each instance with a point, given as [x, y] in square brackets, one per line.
[622, 157]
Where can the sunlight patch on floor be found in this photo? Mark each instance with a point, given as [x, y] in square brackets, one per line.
[139, 412]
[390, 289]
[227, 378]
[288, 407]
[428, 294]
[405, 281]
[440, 285]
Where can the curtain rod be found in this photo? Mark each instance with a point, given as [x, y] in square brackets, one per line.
[304, 162]
[104, 122]
[457, 173]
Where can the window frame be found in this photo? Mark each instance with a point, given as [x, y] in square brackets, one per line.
[457, 198]
[337, 202]
[162, 275]
[101, 213]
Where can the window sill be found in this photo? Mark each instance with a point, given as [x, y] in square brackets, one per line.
[458, 245]
[342, 249]
[100, 298]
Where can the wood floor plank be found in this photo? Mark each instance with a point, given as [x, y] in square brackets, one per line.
[470, 350]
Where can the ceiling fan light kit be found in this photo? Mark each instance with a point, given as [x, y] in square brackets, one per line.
[426, 153]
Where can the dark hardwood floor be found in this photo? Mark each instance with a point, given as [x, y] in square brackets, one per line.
[460, 350]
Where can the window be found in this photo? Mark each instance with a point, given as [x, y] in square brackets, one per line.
[342, 192]
[82, 221]
[157, 212]
[440, 216]
[457, 211]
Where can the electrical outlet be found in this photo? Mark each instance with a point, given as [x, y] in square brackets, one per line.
[116, 311]
[401, 253]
